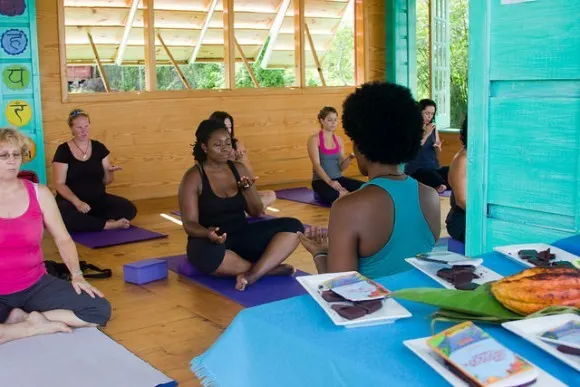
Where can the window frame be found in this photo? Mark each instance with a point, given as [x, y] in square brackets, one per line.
[440, 61]
[361, 45]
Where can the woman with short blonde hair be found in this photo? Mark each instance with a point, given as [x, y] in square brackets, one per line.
[31, 301]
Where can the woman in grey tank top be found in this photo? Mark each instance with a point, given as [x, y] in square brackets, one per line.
[326, 151]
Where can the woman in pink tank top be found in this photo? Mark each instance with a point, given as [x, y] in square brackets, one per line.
[31, 301]
[326, 152]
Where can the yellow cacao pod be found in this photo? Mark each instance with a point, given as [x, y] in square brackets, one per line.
[538, 288]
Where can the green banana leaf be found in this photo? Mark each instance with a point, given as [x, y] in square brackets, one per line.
[467, 304]
[453, 315]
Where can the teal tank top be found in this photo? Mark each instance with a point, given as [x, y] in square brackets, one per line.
[411, 234]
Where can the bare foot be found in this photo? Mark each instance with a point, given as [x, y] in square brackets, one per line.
[117, 224]
[16, 316]
[40, 325]
[282, 270]
[241, 282]
[442, 188]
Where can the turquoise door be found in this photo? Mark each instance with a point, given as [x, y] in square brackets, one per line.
[524, 122]
[401, 57]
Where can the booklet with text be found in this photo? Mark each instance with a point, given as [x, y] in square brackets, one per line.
[473, 354]
[567, 334]
[355, 287]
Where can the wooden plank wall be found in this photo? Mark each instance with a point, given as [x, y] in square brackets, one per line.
[149, 135]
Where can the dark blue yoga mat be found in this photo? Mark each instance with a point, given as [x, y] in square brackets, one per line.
[267, 289]
[107, 238]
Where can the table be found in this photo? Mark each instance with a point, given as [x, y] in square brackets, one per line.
[294, 343]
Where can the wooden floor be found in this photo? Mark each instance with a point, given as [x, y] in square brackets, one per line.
[169, 322]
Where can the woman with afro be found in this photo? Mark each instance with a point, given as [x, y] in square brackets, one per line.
[392, 217]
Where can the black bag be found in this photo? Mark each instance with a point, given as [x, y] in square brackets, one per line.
[59, 270]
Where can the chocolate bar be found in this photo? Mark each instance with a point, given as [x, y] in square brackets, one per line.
[527, 254]
[459, 276]
[330, 296]
[358, 309]
[568, 350]
[349, 312]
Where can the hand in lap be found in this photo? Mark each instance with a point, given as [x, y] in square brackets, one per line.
[80, 284]
[214, 237]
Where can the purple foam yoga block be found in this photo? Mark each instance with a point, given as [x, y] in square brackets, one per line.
[148, 270]
[456, 247]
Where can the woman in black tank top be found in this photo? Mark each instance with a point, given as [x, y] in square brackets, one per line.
[214, 196]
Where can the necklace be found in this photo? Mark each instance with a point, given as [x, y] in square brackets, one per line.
[86, 150]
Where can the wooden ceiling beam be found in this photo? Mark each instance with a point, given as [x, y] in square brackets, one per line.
[127, 31]
[204, 29]
[274, 31]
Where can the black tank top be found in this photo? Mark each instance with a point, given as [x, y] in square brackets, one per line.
[226, 213]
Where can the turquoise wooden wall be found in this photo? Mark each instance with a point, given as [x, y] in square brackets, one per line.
[401, 57]
[20, 84]
[524, 123]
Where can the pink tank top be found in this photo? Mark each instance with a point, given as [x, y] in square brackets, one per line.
[323, 147]
[21, 259]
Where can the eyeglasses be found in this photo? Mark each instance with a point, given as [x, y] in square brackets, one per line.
[6, 156]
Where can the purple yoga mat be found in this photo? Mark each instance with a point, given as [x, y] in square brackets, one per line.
[267, 289]
[250, 218]
[445, 194]
[300, 195]
[107, 238]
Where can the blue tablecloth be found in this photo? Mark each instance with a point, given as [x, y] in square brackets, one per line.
[293, 343]
[571, 244]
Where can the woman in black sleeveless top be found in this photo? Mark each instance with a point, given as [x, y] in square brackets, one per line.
[457, 179]
[82, 170]
[214, 196]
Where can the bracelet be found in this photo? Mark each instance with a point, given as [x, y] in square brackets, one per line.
[320, 254]
[77, 273]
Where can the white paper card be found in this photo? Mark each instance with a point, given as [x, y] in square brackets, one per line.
[509, 2]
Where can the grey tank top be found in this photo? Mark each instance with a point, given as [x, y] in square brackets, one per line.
[329, 159]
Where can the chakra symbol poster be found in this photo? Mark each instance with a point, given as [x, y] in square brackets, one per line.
[20, 90]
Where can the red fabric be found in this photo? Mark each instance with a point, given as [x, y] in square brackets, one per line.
[28, 175]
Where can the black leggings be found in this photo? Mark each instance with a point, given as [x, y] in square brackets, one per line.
[327, 194]
[51, 293]
[104, 208]
[249, 243]
[432, 177]
[455, 223]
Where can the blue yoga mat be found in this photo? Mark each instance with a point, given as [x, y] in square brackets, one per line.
[267, 289]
